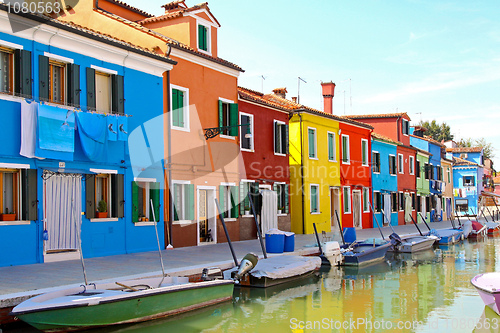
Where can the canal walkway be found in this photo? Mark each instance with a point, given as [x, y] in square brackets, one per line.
[18, 283]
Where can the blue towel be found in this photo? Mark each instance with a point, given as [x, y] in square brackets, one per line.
[112, 127]
[122, 128]
[56, 129]
[92, 131]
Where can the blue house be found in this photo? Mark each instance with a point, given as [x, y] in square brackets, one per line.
[468, 171]
[384, 180]
[69, 98]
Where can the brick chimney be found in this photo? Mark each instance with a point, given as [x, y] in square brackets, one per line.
[328, 89]
[281, 92]
[294, 99]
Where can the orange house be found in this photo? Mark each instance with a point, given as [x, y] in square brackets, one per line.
[200, 149]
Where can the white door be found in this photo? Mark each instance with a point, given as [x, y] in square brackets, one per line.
[334, 208]
[62, 216]
[356, 209]
[207, 222]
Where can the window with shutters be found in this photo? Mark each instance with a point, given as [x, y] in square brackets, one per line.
[144, 192]
[311, 139]
[246, 187]
[332, 148]
[228, 118]
[281, 190]
[314, 190]
[184, 201]
[246, 135]
[6, 70]
[401, 201]
[346, 199]
[364, 152]
[392, 164]
[376, 162]
[366, 200]
[427, 171]
[377, 201]
[394, 202]
[229, 201]
[18, 197]
[203, 38]
[411, 165]
[59, 79]
[105, 90]
[413, 201]
[346, 154]
[104, 194]
[179, 105]
[405, 127]
[15, 70]
[280, 138]
[401, 163]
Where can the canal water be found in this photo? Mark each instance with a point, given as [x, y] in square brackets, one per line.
[424, 292]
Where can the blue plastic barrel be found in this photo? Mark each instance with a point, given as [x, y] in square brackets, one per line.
[349, 235]
[275, 243]
[290, 243]
[433, 211]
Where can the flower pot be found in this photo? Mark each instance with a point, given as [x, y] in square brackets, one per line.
[101, 215]
[7, 217]
[247, 212]
[279, 211]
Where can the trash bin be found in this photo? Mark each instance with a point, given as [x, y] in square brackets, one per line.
[349, 235]
[275, 241]
[289, 242]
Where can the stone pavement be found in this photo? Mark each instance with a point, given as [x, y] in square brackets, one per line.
[18, 282]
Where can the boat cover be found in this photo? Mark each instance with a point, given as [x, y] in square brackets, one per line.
[467, 228]
[281, 267]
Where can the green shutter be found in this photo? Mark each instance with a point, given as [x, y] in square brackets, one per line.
[22, 72]
[91, 96]
[364, 148]
[29, 199]
[221, 114]
[180, 106]
[135, 202]
[244, 188]
[74, 84]
[118, 99]
[330, 146]
[234, 201]
[43, 74]
[175, 198]
[202, 38]
[286, 138]
[276, 138]
[175, 107]
[90, 197]
[189, 201]
[221, 201]
[117, 194]
[312, 153]
[344, 149]
[314, 203]
[154, 195]
[233, 119]
[287, 201]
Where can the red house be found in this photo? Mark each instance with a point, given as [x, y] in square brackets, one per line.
[396, 126]
[264, 147]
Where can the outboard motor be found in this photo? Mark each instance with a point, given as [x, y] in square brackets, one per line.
[248, 262]
[395, 239]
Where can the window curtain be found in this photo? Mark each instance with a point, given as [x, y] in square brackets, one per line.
[408, 208]
[269, 214]
[387, 208]
[62, 207]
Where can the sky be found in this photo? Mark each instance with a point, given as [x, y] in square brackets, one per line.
[432, 59]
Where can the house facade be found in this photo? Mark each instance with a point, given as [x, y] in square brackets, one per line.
[66, 167]
[422, 179]
[447, 177]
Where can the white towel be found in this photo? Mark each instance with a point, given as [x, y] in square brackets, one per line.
[28, 128]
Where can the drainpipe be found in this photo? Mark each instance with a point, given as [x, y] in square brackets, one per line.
[169, 164]
[302, 176]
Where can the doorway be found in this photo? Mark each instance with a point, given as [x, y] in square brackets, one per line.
[335, 208]
[356, 209]
[207, 227]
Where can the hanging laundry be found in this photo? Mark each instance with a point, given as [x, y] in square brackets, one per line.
[28, 128]
[122, 128]
[92, 131]
[55, 133]
[112, 127]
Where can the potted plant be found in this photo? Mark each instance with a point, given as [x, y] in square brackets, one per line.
[8, 216]
[102, 210]
[281, 210]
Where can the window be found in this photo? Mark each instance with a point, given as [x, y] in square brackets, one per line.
[411, 164]
[15, 70]
[247, 186]
[311, 137]
[469, 180]
[143, 192]
[183, 197]
[449, 175]
[431, 172]
[105, 91]
[406, 127]
[228, 201]
[59, 80]
[332, 154]
[345, 149]
[281, 190]
[401, 201]
[439, 173]
[427, 171]
[377, 202]
[413, 201]
[417, 168]
[107, 188]
[400, 163]
[394, 202]
[6, 70]
[366, 200]
[364, 152]
[376, 162]
[203, 37]
[347, 199]
[280, 138]
[314, 198]
[228, 117]
[246, 134]
[392, 164]
[419, 203]
[180, 108]
[15, 203]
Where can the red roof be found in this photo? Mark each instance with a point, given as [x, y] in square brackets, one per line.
[465, 150]
[461, 161]
[129, 7]
[383, 115]
[177, 9]
[385, 138]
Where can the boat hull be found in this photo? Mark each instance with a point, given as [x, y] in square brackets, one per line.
[367, 254]
[135, 307]
[486, 286]
[415, 244]
[264, 282]
[450, 236]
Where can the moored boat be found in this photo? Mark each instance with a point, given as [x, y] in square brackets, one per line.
[478, 230]
[367, 251]
[414, 244]
[104, 304]
[493, 228]
[448, 236]
[488, 287]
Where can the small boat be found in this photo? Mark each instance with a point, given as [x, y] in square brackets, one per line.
[478, 230]
[367, 251]
[332, 255]
[488, 287]
[414, 244]
[103, 304]
[448, 236]
[493, 228]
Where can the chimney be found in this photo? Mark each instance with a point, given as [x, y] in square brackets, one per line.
[328, 89]
[294, 99]
[281, 92]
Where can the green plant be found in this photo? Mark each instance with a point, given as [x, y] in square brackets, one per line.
[102, 206]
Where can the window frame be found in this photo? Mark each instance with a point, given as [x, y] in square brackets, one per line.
[365, 155]
[333, 145]
[401, 201]
[10, 52]
[55, 60]
[374, 162]
[405, 127]
[113, 178]
[228, 102]
[346, 151]
[394, 202]
[349, 203]
[185, 108]
[411, 165]
[315, 156]
[366, 201]
[242, 135]
[209, 37]
[228, 210]
[283, 131]
[317, 199]
[377, 202]
[147, 189]
[394, 168]
[184, 194]
[281, 196]
[401, 166]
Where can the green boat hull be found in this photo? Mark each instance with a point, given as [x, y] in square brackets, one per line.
[130, 310]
